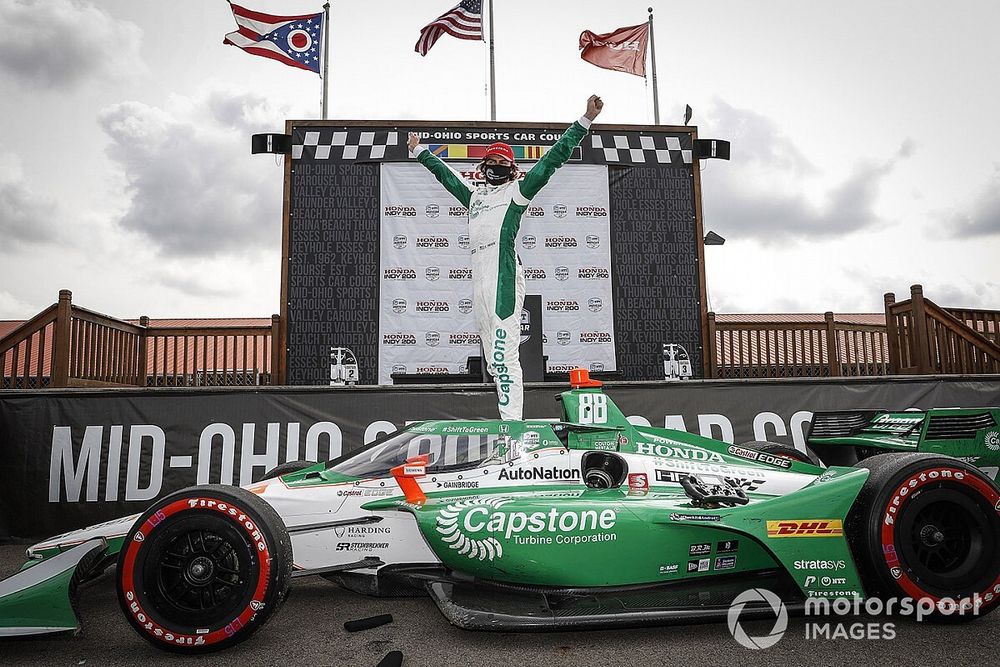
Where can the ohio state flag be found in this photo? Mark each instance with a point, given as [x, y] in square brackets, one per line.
[623, 50]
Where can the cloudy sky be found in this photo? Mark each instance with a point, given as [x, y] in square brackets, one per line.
[864, 136]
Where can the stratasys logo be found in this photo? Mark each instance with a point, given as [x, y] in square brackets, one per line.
[394, 211]
[471, 527]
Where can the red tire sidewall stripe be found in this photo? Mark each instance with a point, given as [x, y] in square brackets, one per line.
[240, 518]
[898, 500]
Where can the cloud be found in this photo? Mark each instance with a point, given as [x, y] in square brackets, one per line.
[195, 190]
[25, 216]
[12, 308]
[62, 43]
[981, 217]
[764, 192]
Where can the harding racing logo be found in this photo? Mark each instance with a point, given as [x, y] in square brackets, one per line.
[471, 527]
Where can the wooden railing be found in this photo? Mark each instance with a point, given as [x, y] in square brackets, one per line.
[925, 338]
[70, 346]
[796, 349]
[985, 322]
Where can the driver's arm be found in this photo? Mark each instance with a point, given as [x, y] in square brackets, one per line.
[444, 173]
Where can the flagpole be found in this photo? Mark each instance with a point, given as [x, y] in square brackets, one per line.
[326, 55]
[493, 80]
[652, 49]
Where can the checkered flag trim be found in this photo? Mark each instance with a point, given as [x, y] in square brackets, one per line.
[639, 149]
[344, 144]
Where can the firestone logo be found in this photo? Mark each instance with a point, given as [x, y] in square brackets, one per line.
[591, 212]
[395, 211]
[399, 339]
[560, 242]
[399, 273]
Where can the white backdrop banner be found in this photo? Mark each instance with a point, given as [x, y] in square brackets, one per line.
[425, 299]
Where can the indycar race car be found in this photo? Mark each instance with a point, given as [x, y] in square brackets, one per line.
[585, 522]
[846, 437]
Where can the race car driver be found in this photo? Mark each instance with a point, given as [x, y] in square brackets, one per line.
[495, 211]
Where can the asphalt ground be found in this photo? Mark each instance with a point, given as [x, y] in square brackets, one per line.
[308, 629]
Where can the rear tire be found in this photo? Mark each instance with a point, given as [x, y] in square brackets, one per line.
[203, 569]
[927, 527]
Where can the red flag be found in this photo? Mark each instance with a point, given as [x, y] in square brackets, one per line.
[623, 50]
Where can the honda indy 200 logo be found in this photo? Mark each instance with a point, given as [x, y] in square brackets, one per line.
[472, 527]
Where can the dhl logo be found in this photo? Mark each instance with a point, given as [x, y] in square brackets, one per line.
[806, 528]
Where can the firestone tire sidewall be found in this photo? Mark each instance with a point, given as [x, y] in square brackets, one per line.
[897, 490]
[267, 559]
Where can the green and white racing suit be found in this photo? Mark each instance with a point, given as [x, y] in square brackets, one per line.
[497, 277]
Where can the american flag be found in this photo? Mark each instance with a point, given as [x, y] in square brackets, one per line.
[464, 21]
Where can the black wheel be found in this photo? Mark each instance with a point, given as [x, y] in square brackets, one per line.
[203, 569]
[784, 451]
[927, 527]
[285, 468]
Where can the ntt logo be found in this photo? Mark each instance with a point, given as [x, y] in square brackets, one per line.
[755, 596]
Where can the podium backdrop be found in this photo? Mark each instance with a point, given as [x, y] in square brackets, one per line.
[375, 256]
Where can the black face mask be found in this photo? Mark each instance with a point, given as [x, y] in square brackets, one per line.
[498, 174]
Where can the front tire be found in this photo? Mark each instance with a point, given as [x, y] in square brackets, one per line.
[203, 569]
[927, 527]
